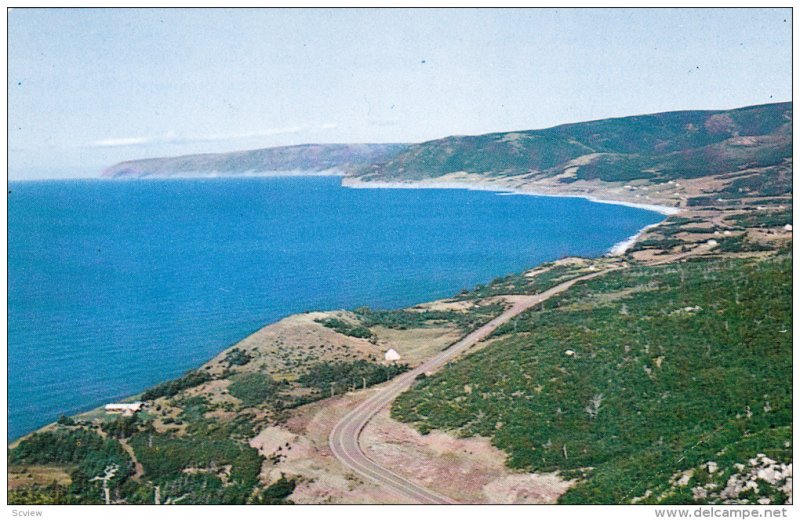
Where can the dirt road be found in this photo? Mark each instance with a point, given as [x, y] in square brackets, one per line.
[344, 438]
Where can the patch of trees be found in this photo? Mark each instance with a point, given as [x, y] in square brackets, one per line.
[277, 493]
[348, 329]
[764, 219]
[405, 319]
[237, 357]
[255, 388]
[342, 376]
[91, 454]
[171, 388]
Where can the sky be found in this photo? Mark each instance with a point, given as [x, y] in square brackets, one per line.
[91, 87]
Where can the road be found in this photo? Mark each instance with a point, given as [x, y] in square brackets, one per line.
[344, 438]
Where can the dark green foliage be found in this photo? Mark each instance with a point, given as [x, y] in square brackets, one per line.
[194, 409]
[342, 327]
[675, 225]
[45, 495]
[657, 243]
[65, 421]
[121, 427]
[662, 379]
[659, 147]
[764, 219]
[78, 446]
[171, 388]
[277, 493]
[405, 319]
[740, 244]
[164, 457]
[254, 388]
[522, 284]
[86, 450]
[344, 375]
[237, 357]
[771, 181]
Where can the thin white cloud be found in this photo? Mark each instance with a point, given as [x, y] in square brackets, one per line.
[172, 138]
[123, 141]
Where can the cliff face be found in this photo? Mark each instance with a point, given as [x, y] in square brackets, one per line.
[307, 157]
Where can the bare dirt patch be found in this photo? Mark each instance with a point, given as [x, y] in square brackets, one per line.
[322, 479]
[468, 470]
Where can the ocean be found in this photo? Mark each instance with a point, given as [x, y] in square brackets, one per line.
[114, 286]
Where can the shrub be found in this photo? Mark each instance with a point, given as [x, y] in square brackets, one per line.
[342, 327]
[171, 388]
[254, 388]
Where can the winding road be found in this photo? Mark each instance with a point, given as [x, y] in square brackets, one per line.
[344, 438]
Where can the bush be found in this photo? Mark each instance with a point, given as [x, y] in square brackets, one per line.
[342, 327]
[89, 453]
[121, 427]
[237, 357]
[65, 421]
[277, 493]
[343, 375]
[171, 388]
[254, 389]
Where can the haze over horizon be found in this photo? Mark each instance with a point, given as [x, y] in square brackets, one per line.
[92, 87]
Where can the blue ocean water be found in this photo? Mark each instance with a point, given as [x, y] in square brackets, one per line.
[116, 286]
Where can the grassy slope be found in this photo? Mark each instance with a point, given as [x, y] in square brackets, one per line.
[657, 147]
[671, 386]
[193, 439]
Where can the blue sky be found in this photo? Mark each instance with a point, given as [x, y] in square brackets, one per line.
[88, 88]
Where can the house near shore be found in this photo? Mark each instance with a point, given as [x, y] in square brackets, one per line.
[391, 355]
[124, 408]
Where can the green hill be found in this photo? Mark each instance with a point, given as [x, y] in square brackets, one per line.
[634, 380]
[657, 147]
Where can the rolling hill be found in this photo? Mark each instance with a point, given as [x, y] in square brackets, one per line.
[306, 157]
[655, 147]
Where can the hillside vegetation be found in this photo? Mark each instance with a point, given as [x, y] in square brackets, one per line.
[633, 380]
[656, 147]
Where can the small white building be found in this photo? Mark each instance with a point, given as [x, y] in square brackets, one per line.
[787, 227]
[391, 355]
[124, 408]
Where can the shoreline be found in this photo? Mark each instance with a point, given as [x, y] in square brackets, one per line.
[621, 247]
[354, 183]
[617, 249]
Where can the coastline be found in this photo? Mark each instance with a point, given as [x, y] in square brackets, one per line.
[621, 247]
[249, 174]
[599, 197]
[617, 249]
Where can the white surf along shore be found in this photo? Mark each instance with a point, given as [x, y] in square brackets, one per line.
[617, 249]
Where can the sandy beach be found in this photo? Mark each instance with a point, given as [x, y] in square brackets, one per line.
[600, 196]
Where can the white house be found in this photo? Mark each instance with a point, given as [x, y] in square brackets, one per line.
[124, 408]
[391, 355]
